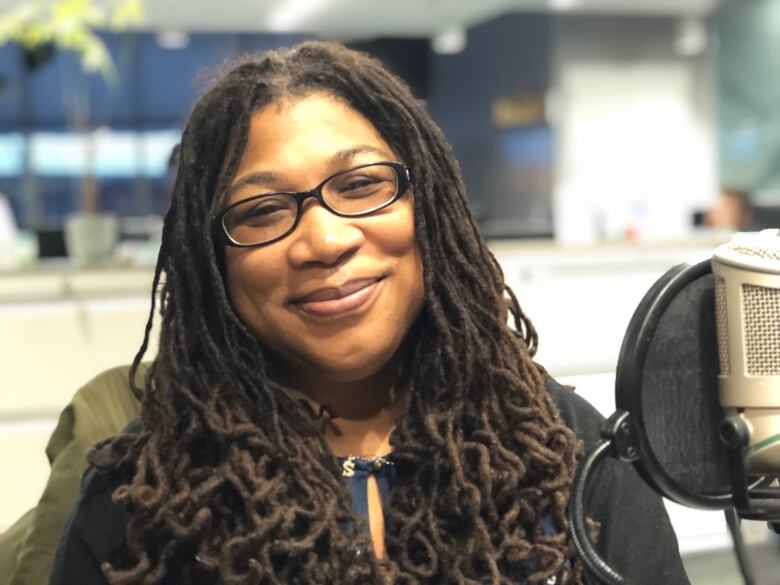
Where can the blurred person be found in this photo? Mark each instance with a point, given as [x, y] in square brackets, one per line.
[338, 396]
[732, 210]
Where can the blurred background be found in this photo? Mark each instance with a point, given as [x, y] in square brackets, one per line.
[601, 141]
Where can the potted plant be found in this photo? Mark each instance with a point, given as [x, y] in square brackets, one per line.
[70, 25]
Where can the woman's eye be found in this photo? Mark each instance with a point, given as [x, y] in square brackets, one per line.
[358, 183]
[360, 186]
[263, 212]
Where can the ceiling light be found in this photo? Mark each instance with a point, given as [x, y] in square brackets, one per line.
[449, 42]
[292, 14]
[690, 37]
[562, 5]
[173, 39]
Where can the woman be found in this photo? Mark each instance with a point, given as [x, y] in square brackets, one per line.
[337, 396]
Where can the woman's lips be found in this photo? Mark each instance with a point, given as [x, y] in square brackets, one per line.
[333, 301]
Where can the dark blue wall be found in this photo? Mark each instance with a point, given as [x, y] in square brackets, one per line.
[154, 89]
[155, 86]
[507, 170]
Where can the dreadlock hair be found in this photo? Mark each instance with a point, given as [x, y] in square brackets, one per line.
[230, 480]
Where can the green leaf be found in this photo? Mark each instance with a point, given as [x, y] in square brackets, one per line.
[70, 25]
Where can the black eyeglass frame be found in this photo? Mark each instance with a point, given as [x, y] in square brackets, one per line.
[402, 172]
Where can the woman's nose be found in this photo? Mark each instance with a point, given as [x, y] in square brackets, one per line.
[324, 238]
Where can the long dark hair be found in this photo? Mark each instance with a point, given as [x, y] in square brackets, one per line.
[231, 481]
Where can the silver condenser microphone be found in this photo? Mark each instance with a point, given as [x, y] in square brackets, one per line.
[747, 301]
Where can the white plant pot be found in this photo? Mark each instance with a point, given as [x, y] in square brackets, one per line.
[90, 238]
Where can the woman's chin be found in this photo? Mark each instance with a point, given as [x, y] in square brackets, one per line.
[348, 368]
[348, 372]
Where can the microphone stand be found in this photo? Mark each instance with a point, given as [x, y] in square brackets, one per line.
[618, 441]
[733, 522]
[754, 501]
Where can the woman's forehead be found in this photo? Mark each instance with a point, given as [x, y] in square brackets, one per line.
[311, 130]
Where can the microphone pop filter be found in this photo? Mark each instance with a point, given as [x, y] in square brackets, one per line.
[667, 379]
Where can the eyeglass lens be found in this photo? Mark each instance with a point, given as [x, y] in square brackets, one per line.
[354, 192]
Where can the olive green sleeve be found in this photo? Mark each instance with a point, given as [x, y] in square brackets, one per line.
[100, 409]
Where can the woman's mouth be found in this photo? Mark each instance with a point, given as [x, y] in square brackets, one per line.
[346, 298]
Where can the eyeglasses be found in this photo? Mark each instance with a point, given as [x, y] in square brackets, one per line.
[269, 217]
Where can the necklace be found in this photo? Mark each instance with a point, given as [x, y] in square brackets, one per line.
[375, 464]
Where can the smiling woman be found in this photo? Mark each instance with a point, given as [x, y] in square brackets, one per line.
[334, 298]
[338, 397]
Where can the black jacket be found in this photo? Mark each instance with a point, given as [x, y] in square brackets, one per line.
[635, 537]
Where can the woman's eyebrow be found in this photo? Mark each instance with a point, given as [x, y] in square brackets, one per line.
[255, 179]
[339, 158]
[346, 155]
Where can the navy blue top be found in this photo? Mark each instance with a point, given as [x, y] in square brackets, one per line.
[357, 470]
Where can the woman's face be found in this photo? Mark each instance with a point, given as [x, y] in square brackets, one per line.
[335, 298]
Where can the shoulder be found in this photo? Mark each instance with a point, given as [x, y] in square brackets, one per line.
[116, 379]
[577, 413]
[99, 409]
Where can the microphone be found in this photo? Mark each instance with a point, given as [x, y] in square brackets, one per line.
[697, 389]
[747, 304]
